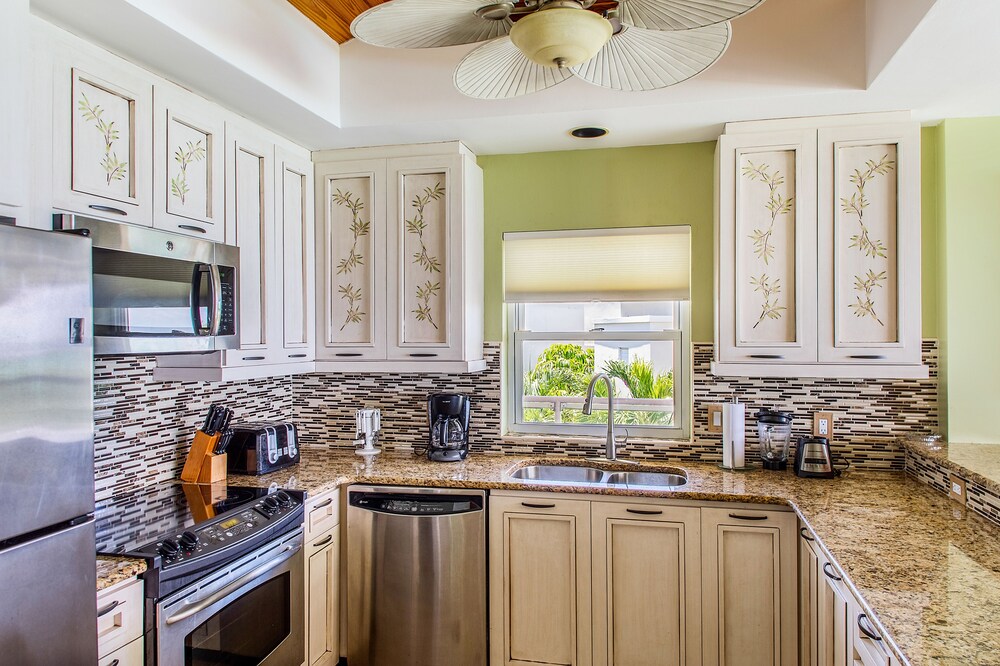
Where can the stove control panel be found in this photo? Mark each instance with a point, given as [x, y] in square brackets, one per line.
[231, 527]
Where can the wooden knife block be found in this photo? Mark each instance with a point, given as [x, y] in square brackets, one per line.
[203, 466]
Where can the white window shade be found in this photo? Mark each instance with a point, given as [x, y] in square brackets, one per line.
[642, 264]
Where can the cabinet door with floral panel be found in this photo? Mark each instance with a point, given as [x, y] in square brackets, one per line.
[102, 141]
[869, 244]
[350, 197]
[425, 205]
[188, 167]
[766, 248]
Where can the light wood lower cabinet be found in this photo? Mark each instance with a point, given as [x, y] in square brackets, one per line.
[808, 598]
[119, 624]
[824, 608]
[322, 535]
[646, 585]
[748, 585]
[540, 581]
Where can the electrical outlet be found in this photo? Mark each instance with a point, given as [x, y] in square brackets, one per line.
[823, 424]
[715, 418]
[956, 489]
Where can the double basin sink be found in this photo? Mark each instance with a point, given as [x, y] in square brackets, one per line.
[593, 476]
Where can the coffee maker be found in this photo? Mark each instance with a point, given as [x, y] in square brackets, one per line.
[448, 419]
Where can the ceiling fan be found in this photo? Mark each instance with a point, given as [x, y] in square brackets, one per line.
[630, 45]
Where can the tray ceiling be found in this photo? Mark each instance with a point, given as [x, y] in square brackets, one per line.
[334, 16]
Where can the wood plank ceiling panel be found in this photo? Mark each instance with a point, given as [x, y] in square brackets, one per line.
[334, 16]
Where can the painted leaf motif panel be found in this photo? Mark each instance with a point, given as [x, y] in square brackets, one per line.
[765, 248]
[866, 244]
[103, 141]
[351, 252]
[189, 170]
[424, 258]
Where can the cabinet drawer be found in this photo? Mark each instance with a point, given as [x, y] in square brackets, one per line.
[128, 655]
[322, 513]
[119, 616]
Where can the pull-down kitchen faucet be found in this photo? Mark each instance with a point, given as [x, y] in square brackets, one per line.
[588, 406]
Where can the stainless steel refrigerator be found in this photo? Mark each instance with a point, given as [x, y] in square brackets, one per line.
[47, 569]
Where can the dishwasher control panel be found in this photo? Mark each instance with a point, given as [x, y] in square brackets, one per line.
[416, 505]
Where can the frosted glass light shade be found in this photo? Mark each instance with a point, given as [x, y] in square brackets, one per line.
[639, 264]
[561, 36]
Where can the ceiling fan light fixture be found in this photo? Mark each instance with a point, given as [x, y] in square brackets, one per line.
[561, 36]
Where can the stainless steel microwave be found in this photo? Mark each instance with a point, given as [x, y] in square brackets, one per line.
[157, 292]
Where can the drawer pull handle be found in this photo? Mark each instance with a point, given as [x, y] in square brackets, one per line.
[867, 357]
[828, 570]
[323, 542]
[804, 533]
[114, 663]
[297, 355]
[107, 609]
[423, 355]
[767, 356]
[348, 354]
[107, 209]
[538, 506]
[642, 512]
[326, 502]
[191, 227]
[866, 629]
[253, 358]
[740, 516]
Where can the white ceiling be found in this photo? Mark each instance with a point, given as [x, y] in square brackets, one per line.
[940, 58]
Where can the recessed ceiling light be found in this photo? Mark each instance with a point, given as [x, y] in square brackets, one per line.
[589, 132]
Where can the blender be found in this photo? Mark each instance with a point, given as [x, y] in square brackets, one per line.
[774, 433]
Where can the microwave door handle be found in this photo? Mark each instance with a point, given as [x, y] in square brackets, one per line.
[196, 323]
[216, 296]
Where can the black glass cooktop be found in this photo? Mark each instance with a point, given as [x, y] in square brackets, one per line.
[127, 522]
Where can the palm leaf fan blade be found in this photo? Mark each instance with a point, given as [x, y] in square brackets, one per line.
[681, 14]
[498, 70]
[421, 24]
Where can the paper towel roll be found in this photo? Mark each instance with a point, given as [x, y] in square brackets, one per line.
[734, 435]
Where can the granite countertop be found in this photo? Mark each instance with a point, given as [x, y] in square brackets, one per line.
[928, 570]
[112, 570]
[978, 462]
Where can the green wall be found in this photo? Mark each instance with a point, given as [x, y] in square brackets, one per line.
[968, 154]
[618, 187]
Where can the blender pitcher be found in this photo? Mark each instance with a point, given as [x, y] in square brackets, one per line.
[774, 433]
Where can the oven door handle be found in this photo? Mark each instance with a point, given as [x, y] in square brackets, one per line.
[202, 604]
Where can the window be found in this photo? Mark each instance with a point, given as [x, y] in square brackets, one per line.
[564, 328]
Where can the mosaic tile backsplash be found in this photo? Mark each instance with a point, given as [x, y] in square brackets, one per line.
[982, 498]
[143, 428]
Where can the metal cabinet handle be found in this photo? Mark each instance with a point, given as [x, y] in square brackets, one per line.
[326, 502]
[767, 356]
[866, 628]
[803, 532]
[348, 354]
[114, 663]
[107, 609]
[867, 357]
[254, 358]
[641, 512]
[828, 570]
[538, 506]
[739, 516]
[323, 542]
[423, 355]
[191, 227]
[107, 209]
[297, 355]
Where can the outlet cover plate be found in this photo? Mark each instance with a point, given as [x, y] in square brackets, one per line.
[956, 489]
[715, 418]
[818, 430]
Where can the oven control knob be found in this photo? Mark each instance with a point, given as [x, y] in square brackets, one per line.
[168, 548]
[189, 540]
[284, 498]
[271, 504]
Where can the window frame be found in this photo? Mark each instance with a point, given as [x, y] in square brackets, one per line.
[680, 336]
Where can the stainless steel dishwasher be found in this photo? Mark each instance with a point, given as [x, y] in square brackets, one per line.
[416, 576]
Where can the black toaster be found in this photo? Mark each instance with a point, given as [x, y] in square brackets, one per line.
[262, 447]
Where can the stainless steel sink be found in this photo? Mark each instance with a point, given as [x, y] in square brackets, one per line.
[645, 479]
[563, 473]
[576, 474]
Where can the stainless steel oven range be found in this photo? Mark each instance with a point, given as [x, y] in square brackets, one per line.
[225, 578]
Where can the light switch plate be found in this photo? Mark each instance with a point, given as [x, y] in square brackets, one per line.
[823, 424]
[956, 489]
[715, 418]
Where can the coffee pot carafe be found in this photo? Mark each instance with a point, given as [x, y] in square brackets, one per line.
[448, 418]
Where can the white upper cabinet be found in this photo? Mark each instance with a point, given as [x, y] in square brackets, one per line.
[295, 229]
[102, 138]
[13, 81]
[400, 241]
[188, 164]
[818, 248]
